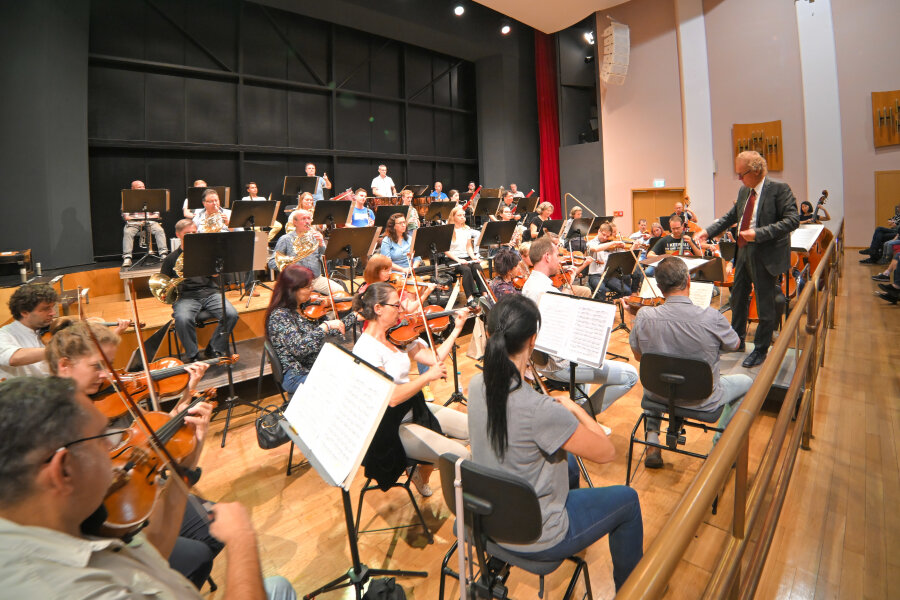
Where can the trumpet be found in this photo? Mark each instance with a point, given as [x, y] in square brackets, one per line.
[165, 288]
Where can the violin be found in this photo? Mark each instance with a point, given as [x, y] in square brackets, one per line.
[635, 302]
[169, 378]
[132, 495]
[318, 305]
[411, 325]
[574, 258]
[401, 283]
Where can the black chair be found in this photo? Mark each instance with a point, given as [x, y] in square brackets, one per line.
[268, 353]
[202, 319]
[499, 508]
[681, 381]
[406, 485]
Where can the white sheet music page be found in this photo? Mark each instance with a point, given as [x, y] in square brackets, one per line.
[693, 262]
[336, 411]
[701, 293]
[805, 236]
[649, 289]
[575, 329]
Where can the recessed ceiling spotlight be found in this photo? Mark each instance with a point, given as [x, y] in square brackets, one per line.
[589, 37]
[459, 10]
[505, 29]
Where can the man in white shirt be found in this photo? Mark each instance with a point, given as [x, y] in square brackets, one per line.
[211, 206]
[33, 306]
[252, 196]
[383, 186]
[515, 191]
[614, 378]
[51, 483]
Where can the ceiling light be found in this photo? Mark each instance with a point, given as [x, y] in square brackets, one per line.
[459, 10]
[589, 37]
[505, 29]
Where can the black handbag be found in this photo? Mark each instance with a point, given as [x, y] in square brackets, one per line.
[269, 433]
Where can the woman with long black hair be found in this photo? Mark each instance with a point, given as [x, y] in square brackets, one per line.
[517, 430]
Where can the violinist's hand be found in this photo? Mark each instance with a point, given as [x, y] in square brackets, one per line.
[748, 234]
[196, 371]
[438, 371]
[461, 317]
[231, 524]
[199, 416]
[335, 325]
[701, 236]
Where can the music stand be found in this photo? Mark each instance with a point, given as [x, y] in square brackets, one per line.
[349, 243]
[525, 206]
[146, 201]
[496, 233]
[553, 226]
[664, 221]
[606, 218]
[727, 250]
[246, 214]
[417, 190]
[714, 270]
[431, 241]
[486, 207]
[383, 213]
[332, 213]
[438, 211]
[619, 264]
[207, 254]
[294, 185]
[492, 192]
[195, 196]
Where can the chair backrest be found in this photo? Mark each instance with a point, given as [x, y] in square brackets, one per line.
[506, 505]
[277, 371]
[676, 377]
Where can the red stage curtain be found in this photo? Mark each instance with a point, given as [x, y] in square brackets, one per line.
[548, 117]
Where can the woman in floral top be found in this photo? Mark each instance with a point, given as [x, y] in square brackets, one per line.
[296, 339]
[506, 266]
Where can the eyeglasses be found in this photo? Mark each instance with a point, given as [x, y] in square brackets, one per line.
[741, 175]
[106, 434]
[397, 305]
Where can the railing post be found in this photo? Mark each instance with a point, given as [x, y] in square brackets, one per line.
[740, 493]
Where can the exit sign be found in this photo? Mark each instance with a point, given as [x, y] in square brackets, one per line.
[618, 213]
[659, 183]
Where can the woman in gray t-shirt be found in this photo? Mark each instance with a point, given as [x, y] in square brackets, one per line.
[515, 429]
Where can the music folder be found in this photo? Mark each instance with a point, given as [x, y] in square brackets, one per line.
[574, 328]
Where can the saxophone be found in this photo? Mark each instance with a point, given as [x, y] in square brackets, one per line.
[164, 288]
[303, 245]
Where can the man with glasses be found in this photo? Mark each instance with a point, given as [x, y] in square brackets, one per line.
[766, 214]
[55, 474]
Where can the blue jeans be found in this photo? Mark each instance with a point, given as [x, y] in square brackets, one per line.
[279, 588]
[185, 313]
[595, 512]
[291, 381]
[615, 379]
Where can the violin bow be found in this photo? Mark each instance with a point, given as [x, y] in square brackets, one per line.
[328, 285]
[154, 399]
[641, 267]
[422, 313]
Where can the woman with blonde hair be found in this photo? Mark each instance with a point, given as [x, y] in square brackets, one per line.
[462, 254]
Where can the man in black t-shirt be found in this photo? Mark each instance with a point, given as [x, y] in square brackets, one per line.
[196, 294]
[677, 242]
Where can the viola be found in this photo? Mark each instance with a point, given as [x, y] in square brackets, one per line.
[635, 302]
[169, 378]
[411, 325]
[400, 283]
[132, 495]
[318, 305]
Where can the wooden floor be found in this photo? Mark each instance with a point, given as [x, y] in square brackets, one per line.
[847, 483]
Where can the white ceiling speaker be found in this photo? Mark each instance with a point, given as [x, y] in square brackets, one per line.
[616, 45]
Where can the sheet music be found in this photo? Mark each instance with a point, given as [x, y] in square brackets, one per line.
[805, 236]
[649, 289]
[693, 262]
[701, 293]
[336, 411]
[575, 329]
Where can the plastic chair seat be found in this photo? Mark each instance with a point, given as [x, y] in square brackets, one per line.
[706, 416]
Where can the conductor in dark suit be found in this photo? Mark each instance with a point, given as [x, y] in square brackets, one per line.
[766, 214]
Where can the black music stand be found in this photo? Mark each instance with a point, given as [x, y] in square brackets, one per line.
[246, 214]
[525, 206]
[417, 190]
[486, 207]
[553, 226]
[496, 233]
[432, 241]
[294, 185]
[383, 213]
[332, 213]
[606, 218]
[146, 201]
[195, 196]
[492, 192]
[207, 254]
[349, 243]
[595, 225]
[438, 211]
[619, 264]
[664, 221]
[578, 232]
[714, 270]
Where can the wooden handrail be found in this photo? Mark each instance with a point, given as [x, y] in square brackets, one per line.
[650, 577]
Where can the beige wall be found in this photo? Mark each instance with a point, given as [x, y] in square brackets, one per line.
[754, 76]
[642, 126]
[868, 60]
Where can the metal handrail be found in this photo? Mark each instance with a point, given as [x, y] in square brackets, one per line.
[650, 577]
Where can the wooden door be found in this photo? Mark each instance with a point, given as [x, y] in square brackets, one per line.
[887, 195]
[653, 203]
